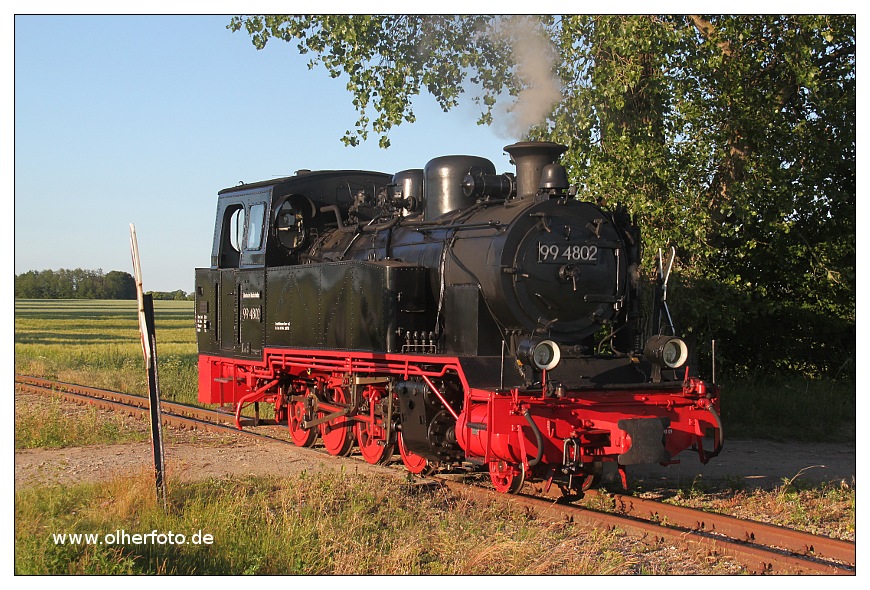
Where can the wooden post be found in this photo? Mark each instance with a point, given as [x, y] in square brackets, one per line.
[149, 350]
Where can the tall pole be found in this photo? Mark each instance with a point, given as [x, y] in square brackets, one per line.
[149, 350]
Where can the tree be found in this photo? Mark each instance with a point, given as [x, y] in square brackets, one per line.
[120, 285]
[177, 295]
[730, 137]
[75, 284]
[390, 58]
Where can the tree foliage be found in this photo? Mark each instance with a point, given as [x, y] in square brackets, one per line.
[75, 284]
[389, 59]
[84, 284]
[177, 295]
[731, 138]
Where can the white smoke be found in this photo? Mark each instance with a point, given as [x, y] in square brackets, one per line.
[540, 89]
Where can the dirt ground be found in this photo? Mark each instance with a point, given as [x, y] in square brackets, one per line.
[755, 464]
[185, 461]
[759, 464]
[192, 455]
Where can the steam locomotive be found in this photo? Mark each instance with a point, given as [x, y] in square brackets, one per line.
[464, 318]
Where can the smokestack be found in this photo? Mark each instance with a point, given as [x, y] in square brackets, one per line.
[530, 158]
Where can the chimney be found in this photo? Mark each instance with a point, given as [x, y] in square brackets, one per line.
[530, 158]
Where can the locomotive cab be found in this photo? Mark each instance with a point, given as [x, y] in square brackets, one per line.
[259, 227]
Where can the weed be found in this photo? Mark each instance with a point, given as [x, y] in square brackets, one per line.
[48, 425]
[323, 523]
[785, 408]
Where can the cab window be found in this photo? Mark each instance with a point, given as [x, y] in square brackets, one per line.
[237, 228]
[232, 235]
[255, 226]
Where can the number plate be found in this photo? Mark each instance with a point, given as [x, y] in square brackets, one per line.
[567, 253]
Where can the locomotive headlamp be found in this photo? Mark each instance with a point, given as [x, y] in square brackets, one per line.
[541, 354]
[667, 352]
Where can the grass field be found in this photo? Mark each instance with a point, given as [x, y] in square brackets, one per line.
[48, 424]
[320, 523]
[97, 343]
[344, 523]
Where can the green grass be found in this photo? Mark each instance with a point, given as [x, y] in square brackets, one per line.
[97, 343]
[785, 408]
[826, 508]
[48, 424]
[317, 523]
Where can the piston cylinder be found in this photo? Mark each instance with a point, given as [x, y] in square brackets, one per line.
[490, 429]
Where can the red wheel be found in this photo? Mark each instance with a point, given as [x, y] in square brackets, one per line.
[592, 476]
[414, 462]
[506, 477]
[300, 437]
[372, 445]
[336, 433]
[589, 478]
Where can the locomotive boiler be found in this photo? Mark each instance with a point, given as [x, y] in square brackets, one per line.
[468, 319]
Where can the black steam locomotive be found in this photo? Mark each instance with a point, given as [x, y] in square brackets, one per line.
[468, 319]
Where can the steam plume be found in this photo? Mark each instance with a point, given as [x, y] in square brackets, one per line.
[541, 89]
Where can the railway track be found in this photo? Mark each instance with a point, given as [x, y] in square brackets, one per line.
[760, 547]
[174, 414]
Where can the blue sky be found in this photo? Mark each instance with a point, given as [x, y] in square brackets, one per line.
[142, 119]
